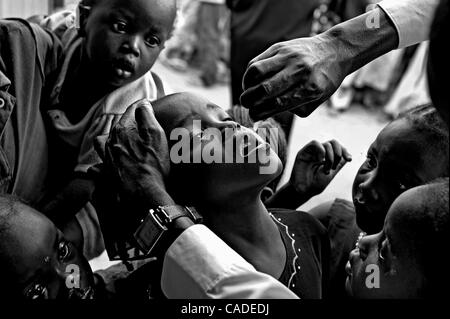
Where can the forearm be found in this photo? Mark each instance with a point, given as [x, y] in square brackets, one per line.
[363, 39]
[67, 203]
[287, 197]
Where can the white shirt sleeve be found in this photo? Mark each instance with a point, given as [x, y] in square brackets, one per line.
[412, 19]
[199, 265]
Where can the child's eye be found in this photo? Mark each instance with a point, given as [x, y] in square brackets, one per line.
[36, 292]
[371, 161]
[153, 41]
[63, 251]
[382, 251]
[119, 27]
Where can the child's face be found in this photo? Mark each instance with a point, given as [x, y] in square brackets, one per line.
[398, 160]
[123, 38]
[40, 261]
[218, 180]
[384, 265]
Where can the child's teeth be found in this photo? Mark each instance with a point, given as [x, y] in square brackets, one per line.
[122, 73]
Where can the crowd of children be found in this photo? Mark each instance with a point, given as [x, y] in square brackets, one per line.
[84, 70]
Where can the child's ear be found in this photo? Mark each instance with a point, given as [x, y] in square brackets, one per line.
[82, 15]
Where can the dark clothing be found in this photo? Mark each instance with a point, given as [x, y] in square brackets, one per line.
[258, 24]
[28, 61]
[307, 253]
[306, 270]
[208, 51]
[343, 232]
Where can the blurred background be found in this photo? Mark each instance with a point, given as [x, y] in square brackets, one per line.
[27, 8]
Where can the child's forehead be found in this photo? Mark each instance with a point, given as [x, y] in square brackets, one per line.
[155, 9]
[401, 140]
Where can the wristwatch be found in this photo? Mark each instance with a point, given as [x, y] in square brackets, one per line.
[158, 222]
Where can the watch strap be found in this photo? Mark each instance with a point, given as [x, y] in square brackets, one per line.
[158, 222]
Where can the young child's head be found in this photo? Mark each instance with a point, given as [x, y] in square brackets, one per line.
[214, 159]
[410, 151]
[36, 261]
[407, 258]
[123, 38]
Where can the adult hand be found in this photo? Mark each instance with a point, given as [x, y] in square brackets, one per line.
[296, 75]
[299, 75]
[137, 156]
[316, 165]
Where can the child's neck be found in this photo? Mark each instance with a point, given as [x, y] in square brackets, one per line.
[246, 226]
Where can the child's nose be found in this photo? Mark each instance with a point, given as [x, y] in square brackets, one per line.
[131, 46]
[366, 190]
[365, 244]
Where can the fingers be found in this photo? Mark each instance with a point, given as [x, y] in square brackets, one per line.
[146, 121]
[302, 101]
[336, 156]
[258, 70]
[347, 156]
[337, 150]
[329, 157]
[128, 117]
[270, 52]
[273, 85]
[313, 152]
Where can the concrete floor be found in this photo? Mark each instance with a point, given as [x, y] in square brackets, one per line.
[356, 130]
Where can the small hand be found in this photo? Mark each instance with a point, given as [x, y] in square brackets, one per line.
[316, 165]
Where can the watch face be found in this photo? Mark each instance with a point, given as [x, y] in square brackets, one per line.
[149, 233]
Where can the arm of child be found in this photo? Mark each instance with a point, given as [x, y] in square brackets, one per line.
[68, 202]
[315, 167]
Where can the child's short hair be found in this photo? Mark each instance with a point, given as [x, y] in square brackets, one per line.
[436, 207]
[426, 120]
[428, 233]
[8, 207]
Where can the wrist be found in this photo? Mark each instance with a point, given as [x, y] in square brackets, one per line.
[151, 196]
[162, 226]
[182, 223]
[363, 39]
[299, 190]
